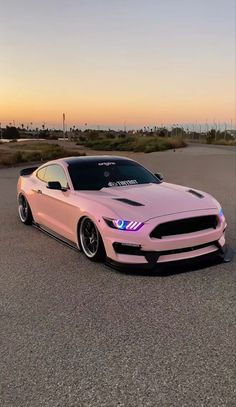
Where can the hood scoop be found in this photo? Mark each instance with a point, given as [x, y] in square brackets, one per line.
[128, 201]
[197, 194]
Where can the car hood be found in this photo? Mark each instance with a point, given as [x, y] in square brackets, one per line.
[144, 202]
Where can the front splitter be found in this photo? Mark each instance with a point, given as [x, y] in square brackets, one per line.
[225, 254]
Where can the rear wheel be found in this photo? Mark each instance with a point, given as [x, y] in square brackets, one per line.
[24, 210]
[91, 240]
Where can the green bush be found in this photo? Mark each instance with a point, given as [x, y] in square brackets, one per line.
[225, 142]
[37, 152]
[18, 157]
[146, 144]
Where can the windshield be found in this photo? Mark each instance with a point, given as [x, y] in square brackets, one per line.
[108, 174]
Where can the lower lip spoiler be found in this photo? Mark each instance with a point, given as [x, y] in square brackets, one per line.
[225, 253]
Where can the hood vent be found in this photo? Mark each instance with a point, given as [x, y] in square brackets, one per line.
[128, 201]
[191, 191]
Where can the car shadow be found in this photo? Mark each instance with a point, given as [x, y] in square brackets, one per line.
[173, 268]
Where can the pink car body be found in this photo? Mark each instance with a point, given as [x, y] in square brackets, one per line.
[132, 223]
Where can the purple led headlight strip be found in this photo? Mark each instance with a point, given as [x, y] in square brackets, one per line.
[134, 225]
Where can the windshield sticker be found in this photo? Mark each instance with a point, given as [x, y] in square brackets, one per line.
[108, 163]
[123, 183]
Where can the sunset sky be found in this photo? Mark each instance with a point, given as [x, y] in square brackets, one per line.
[111, 63]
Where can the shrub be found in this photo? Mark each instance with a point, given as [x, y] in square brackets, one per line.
[18, 157]
[146, 144]
[36, 152]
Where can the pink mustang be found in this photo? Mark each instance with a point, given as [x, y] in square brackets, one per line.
[115, 209]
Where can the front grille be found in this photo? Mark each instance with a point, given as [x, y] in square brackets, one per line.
[183, 226]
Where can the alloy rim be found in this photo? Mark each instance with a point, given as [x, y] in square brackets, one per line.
[23, 208]
[89, 237]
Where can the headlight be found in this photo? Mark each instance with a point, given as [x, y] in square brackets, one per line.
[121, 224]
[221, 215]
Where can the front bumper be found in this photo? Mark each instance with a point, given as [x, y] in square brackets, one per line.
[138, 248]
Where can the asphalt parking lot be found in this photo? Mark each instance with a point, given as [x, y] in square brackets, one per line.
[74, 333]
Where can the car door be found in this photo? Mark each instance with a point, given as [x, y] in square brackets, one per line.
[55, 208]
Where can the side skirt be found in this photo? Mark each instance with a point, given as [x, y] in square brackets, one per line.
[56, 236]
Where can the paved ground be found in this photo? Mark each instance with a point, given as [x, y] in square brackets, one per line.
[77, 334]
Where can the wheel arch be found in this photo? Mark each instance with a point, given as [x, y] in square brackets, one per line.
[95, 220]
[77, 231]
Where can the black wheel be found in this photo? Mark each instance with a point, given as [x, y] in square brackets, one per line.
[24, 211]
[91, 240]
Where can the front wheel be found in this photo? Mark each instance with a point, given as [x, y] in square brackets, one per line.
[24, 211]
[91, 240]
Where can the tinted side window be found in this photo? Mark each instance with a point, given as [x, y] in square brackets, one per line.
[56, 173]
[41, 174]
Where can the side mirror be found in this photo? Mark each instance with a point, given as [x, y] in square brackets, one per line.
[159, 176]
[54, 185]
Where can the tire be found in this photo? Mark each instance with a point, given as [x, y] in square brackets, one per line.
[24, 210]
[90, 240]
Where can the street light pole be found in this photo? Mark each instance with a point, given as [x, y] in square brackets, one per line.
[63, 124]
